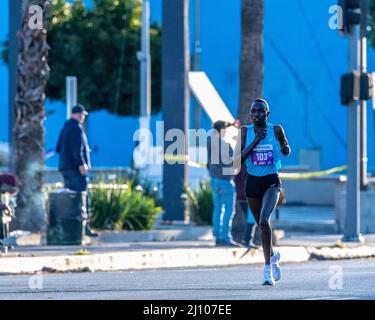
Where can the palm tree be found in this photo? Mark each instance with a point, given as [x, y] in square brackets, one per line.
[251, 76]
[28, 130]
[252, 62]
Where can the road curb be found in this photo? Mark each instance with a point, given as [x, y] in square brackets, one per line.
[341, 253]
[196, 233]
[172, 258]
[145, 259]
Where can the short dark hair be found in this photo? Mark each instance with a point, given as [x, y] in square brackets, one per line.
[261, 100]
[219, 125]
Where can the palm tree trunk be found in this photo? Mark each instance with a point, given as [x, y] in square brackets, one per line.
[28, 132]
[252, 62]
[251, 78]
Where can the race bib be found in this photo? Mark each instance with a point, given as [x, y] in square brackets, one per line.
[262, 155]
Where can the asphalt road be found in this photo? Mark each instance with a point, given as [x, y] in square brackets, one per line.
[327, 280]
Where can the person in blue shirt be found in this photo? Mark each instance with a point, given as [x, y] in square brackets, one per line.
[264, 144]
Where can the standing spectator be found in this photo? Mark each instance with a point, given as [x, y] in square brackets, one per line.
[241, 201]
[74, 162]
[220, 163]
[243, 210]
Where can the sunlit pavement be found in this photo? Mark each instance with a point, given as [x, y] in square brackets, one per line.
[344, 279]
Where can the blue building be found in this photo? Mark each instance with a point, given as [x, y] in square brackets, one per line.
[304, 60]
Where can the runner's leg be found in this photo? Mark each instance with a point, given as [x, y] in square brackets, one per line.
[270, 198]
[255, 206]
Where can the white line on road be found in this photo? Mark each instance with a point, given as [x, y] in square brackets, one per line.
[331, 298]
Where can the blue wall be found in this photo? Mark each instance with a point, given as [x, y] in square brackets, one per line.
[304, 59]
[110, 137]
[303, 63]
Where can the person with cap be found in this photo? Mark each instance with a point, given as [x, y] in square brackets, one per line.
[74, 151]
[220, 168]
[242, 209]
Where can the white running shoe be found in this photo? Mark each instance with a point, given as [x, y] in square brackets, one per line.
[276, 271]
[268, 279]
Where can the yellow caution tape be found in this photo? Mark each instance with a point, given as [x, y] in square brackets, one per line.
[104, 186]
[178, 157]
[306, 175]
[283, 175]
[184, 158]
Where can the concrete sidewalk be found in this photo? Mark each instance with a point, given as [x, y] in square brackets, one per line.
[173, 254]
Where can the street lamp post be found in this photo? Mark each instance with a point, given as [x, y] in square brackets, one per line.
[71, 94]
[144, 57]
[197, 58]
[352, 222]
[363, 104]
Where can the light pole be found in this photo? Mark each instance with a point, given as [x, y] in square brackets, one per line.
[352, 223]
[352, 18]
[71, 94]
[144, 57]
[197, 58]
[363, 103]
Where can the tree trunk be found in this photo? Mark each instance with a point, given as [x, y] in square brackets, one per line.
[252, 62]
[28, 131]
[251, 78]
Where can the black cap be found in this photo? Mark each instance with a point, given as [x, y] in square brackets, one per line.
[79, 109]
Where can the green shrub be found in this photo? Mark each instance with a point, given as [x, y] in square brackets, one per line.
[200, 203]
[122, 208]
[147, 188]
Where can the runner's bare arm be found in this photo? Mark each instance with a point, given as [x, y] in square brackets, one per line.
[261, 134]
[281, 138]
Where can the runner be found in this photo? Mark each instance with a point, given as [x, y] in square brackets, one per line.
[263, 143]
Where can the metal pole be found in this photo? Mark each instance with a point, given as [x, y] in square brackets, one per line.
[71, 94]
[352, 221]
[144, 57]
[363, 118]
[197, 36]
[197, 58]
[15, 13]
[175, 101]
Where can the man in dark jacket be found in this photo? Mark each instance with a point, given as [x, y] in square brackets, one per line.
[74, 162]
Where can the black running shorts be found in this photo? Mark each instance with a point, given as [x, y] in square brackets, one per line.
[255, 187]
